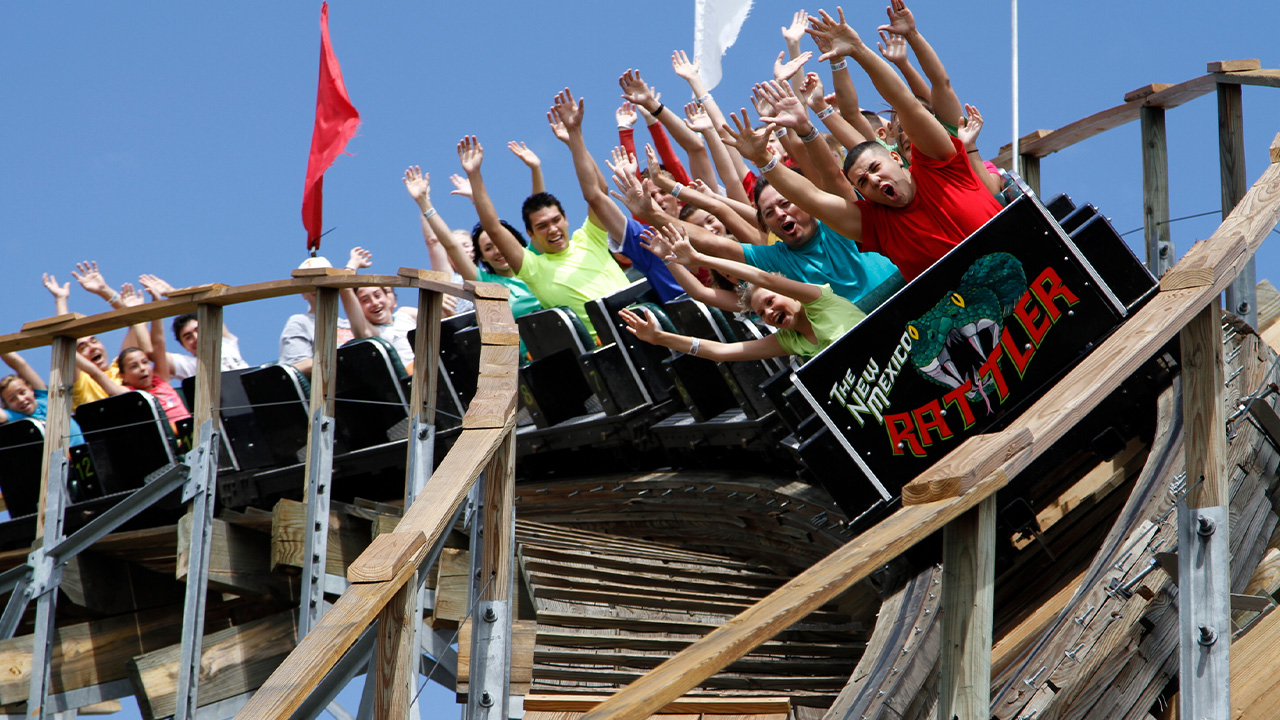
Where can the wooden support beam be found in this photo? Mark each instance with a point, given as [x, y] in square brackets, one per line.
[1233, 65]
[386, 553]
[968, 599]
[239, 559]
[1155, 191]
[397, 668]
[88, 654]
[233, 661]
[348, 537]
[497, 326]
[1030, 172]
[1255, 684]
[209, 366]
[499, 518]
[1202, 381]
[426, 374]
[524, 637]
[57, 426]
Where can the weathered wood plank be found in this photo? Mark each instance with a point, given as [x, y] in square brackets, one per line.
[1255, 684]
[384, 555]
[708, 705]
[957, 470]
[523, 639]
[50, 321]
[1233, 65]
[497, 326]
[232, 662]
[968, 582]
[348, 537]
[239, 559]
[1202, 380]
[396, 669]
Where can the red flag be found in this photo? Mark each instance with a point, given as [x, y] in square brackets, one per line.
[336, 122]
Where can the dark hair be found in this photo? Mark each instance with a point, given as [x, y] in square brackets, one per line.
[120, 359]
[857, 151]
[762, 182]
[874, 118]
[475, 238]
[686, 211]
[179, 323]
[536, 202]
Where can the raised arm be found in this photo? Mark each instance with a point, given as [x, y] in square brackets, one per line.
[636, 90]
[648, 330]
[697, 119]
[24, 371]
[137, 335]
[794, 33]
[471, 154]
[60, 294]
[968, 135]
[811, 91]
[632, 195]
[689, 71]
[104, 381]
[894, 49]
[360, 325]
[419, 185]
[531, 160]
[820, 163]
[926, 133]
[683, 252]
[946, 105]
[842, 214]
[91, 279]
[603, 211]
[726, 300]
[418, 190]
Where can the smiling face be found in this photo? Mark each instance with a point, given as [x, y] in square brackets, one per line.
[879, 176]
[135, 369]
[18, 396]
[93, 351]
[189, 335]
[490, 253]
[777, 310]
[376, 305]
[706, 220]
[549, 230]
[794, 226]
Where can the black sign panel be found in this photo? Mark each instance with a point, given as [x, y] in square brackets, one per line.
[966, 345]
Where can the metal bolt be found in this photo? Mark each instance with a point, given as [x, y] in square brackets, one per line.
[1071, 313]
[1072, 653]
[489, 615]
[1208, 636]
[422, 434]
[486, 700]
[1031, 681]
[1080, 620]
[1205, 526]
[1243, 308]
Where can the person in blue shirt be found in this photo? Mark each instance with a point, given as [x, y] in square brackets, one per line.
[26, 396]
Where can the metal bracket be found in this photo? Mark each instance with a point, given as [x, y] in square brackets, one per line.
[1204, 613]
[320, 467]
[488, 692]
[204, 474]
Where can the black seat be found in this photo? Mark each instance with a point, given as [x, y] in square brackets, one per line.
[278, 395]
[553, 387]
[21, 455]
[1114, 262]
[644, 361]
[743, 378]
[129, 438]
[243, 444]
[370, 405]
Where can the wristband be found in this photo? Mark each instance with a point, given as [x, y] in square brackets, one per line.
[658, 112]
[693, 347]
[971, 151]
[780, 133]
[115, 297]
[826, 112]
[675, 191]
[429, 213]
[626, 127]
[844, 63]
[765, 168]
[703, 100]
[666, 261]
[813, 135]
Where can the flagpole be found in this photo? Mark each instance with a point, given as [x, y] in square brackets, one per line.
[1016, 163]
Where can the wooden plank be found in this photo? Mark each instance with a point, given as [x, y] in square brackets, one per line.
[695, 704]
[88, 654]
[435, 281]
[348, 537]
[396, 668]
[1155, 191]
[497, 326]
[951, 475]
[487, 290]
[499, 518]
[318, 272]
[1145, 91]
[968, 583]
[1202, 380]
[1267, 77]
[196, 290]
[1231, 146]
[1233, 65]
[353, 280]
[208, 368]
[50, 321]
[233, 661]
[523, 639]
[1255, 684]
[1268, 305]
[493, 405]
[453, 583]
[239, 559]
[1275, 149]
[1007, 649]
[57, 422]
[384, 556]
[1201, 268]
[426, 375]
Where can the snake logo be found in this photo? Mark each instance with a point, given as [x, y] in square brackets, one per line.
[952, 341]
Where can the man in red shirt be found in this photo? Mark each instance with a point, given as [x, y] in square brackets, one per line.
[911, 216]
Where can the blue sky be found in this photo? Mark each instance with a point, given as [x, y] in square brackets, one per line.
[172, 138]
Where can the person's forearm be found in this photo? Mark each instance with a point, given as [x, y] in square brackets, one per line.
[715, 297]
[511, 249]
[827, 173]
[586, 170]
[915, 81]
[465, 266]
[946, 105]
[539, 183]
[304, 366]
[360, 325]
[23, 369]
[60, 306]
[734, 223]
[436, 254]
[722, 157]
[159, 361]
[892, 88]
[104, 381]
[667, 154]
[845, 133]
[627, 139]
[797, 151]
[847, 102]
[989, 181]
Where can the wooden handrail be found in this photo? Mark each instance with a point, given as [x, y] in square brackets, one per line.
[1180, 300]
[375, 578]
[1046, 142]
[41, 332]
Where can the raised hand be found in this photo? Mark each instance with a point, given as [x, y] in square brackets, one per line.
[154, 285]
[682, 67]
[130, 297]
[646, 329]
[799, 25]
[635, 89]
[87, 274]
[569, 112]
[787, 70]
[811, 92]
[418, 184]
[901, 21]
[751, 144]
[622, 161]
[969, 129]
[653, 241]
[470, 154]
[625, 115]
[59, 292]
[359, 259]
[788, 111]
[760, 101]
[892, 47]
[677, 238]
[696, 118]
[557, 128]
[632, 193]
[527, 156]
[842, 38]
[461, 186]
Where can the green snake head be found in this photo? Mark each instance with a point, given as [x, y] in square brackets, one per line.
[957, 335]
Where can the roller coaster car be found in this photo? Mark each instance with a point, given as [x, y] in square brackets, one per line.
[458, 372]
[552, 385]
[243, 445]
[129, 438]
[279, 396]
[370, 404]
[971, 342]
